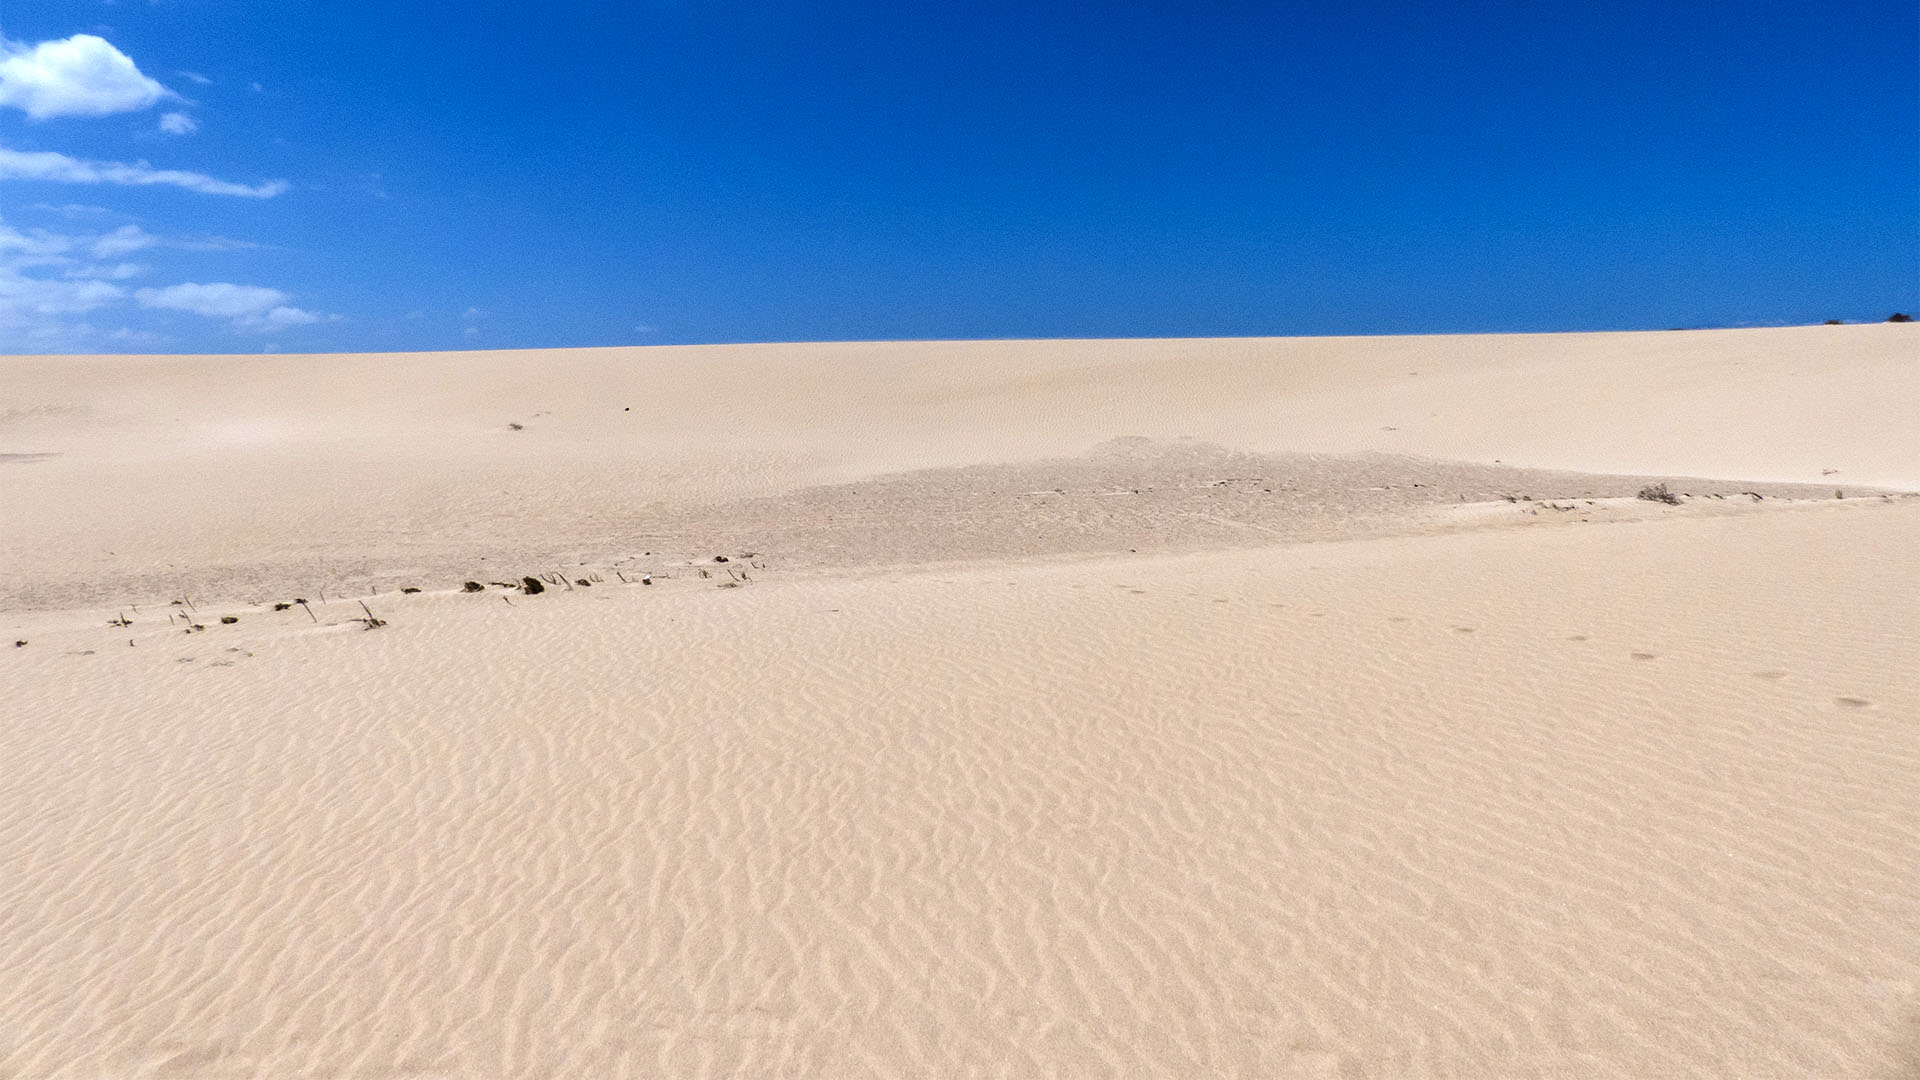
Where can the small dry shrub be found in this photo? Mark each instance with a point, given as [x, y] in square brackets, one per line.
[1659, 493]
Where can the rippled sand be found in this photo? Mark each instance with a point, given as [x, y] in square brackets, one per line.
[1017, 735]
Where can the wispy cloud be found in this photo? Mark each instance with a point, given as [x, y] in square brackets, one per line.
[124, 240]
[195, 78]
[71, 210]
[82, 75]
[178, 123]
[52, 283]
[32, 246]
[116, 272]
[40, 313]
[50, 166]
[249, 307]
[40, 298]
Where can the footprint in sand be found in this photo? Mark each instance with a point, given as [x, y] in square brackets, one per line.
[1852, 702]
[1646, 656]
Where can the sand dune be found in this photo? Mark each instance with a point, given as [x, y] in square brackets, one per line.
[992, 764]
[149, 471]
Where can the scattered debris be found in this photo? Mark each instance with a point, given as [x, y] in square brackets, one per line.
[719, 558]
[372, 621]
[583, 583]
[21, 644]
[409, 590]
[531, 586]
[229, 620]
[1659, 493]
[517, 427]
[281, 607]
[473, 586]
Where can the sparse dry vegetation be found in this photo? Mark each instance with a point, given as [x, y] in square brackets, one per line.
[1659, 493]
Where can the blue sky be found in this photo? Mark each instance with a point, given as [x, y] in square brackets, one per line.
[191, 175]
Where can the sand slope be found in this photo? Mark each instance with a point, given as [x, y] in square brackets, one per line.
[1439, 806]
[154, 476]
[1278, 766]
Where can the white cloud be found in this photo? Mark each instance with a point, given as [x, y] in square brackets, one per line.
[71, 210]
[51, 283]
[47, 165]
[38, 314]
[124, 240]
[250, 307]
[82, 75]
[34, 247]
[178, 123]
[116, 272]
[195, 77]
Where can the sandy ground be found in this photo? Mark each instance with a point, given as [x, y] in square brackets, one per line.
[1249, 708]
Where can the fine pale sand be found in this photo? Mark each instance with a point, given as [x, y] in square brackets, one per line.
[1253, 708]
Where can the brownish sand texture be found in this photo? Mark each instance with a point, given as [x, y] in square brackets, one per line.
[1081, 709]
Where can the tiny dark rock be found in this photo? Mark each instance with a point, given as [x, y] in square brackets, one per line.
[531, 585]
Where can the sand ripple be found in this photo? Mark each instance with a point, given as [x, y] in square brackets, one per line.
[1267, 813]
